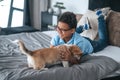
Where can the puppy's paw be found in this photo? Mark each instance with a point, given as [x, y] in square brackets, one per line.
[65, 63]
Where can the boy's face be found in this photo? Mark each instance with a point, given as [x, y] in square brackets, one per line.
[64, 30]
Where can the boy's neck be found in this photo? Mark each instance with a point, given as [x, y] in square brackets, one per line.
[67, 39]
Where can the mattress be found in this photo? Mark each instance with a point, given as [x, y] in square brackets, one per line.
[13, 64]
[112, 52]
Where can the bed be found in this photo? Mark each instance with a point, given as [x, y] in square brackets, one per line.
[13, 64]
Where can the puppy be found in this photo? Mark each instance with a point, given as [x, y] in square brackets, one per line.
[74, 51]
[38, 58]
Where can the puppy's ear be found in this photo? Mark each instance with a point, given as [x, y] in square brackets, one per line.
[75, 50]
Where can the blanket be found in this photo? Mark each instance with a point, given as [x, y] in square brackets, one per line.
[13, 64]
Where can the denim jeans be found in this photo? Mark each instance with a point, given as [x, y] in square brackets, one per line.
[102, 42]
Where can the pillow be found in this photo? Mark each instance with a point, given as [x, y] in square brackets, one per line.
[92, 17]
[110, 51]
[113, 22]
[93, 22]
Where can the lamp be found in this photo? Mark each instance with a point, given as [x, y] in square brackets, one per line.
[57, 9]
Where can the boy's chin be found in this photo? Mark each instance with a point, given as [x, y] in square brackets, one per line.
[62, 37]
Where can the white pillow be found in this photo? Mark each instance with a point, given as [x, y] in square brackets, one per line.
[110, 51]
[92, 17]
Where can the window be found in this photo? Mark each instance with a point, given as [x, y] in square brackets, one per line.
[11, 13]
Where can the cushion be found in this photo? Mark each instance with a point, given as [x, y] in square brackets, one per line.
[92, 17]
[78, 16]
[113, 22]
[110, 51]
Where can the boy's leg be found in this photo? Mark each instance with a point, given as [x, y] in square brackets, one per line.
[102, 42]
[102, 29]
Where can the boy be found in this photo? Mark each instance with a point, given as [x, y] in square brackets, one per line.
[67, 34]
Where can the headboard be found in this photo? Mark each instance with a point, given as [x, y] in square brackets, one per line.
[113, 4]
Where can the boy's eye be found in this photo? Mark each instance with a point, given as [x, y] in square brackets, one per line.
[57, 28]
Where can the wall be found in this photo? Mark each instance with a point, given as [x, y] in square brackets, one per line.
[76, 6]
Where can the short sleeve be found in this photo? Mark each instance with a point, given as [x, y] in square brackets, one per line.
[54, 41]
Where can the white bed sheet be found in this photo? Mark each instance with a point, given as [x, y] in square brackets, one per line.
[50, 33]
[110, 51]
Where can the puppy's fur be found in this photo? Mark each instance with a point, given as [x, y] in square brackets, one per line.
[38, 58]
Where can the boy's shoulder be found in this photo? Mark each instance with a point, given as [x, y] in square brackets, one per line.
[78, 37]
[56, 37]
[77, 34]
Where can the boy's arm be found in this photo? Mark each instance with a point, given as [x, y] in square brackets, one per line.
[51, 46]
[66, 55]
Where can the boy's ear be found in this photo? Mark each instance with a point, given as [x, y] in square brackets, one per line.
[73, 30]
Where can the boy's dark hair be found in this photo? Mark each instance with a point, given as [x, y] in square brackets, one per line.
[69, 18]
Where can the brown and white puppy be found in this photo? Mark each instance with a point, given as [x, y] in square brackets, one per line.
[74, 51]
[38, 58]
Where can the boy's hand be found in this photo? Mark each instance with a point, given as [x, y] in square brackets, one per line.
[66, 56]
[74, 60]
[65, 53]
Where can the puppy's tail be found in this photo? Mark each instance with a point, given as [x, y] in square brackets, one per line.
[23, 49]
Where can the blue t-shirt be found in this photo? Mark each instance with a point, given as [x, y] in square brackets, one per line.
[76, 39]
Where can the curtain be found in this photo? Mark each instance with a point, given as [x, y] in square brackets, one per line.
[33, 12]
